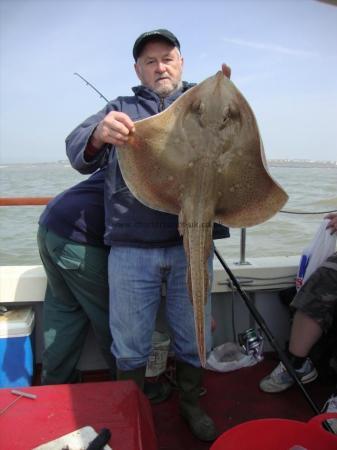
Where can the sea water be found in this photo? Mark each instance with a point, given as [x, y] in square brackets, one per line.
[311, 190]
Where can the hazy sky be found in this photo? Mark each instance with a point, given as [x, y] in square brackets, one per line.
[283, 56]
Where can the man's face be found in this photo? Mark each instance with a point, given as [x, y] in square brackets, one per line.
[160, 67]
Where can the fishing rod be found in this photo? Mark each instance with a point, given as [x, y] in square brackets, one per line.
[253, 310]
[282, 355]
[92, 86]
[260, 320]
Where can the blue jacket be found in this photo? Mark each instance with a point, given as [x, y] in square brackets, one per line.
[127, 221]
[78, 212]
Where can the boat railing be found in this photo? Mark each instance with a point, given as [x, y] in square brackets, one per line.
[24, 201]
[38, 201]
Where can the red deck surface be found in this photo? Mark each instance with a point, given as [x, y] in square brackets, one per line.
[234, 398]
[59, 410]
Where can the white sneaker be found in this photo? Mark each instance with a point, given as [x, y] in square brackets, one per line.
[280, 379]
[331, 407]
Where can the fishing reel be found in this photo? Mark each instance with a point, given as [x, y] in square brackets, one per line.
[251, 341]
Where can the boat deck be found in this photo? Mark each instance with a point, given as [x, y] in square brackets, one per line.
[233, 398]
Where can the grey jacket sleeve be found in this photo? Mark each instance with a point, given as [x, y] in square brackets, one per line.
[78, 139]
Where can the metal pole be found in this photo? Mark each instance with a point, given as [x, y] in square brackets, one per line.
[243, 261]
[243, 246]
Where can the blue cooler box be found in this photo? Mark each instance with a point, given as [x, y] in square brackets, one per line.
[16, 347]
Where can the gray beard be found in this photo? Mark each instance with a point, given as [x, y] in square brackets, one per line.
[165, 92]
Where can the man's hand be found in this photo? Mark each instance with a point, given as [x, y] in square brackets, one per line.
[226, 70]
[113, 129]
[332, 225]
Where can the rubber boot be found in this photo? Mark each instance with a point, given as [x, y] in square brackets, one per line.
[155, 392]
[189, 384]
[137, 375]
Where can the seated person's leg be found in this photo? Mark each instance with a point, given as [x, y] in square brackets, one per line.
[315, 303]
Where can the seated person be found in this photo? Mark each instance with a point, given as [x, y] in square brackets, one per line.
[316, 305]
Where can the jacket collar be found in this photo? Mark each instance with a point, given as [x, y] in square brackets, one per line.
[145, 92]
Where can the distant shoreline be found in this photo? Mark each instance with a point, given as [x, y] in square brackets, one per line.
[302, 163]
[295, 163]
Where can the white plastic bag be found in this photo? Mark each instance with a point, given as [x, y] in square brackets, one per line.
[321, 247]
[228, 357]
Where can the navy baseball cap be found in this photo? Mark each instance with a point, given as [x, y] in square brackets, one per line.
[149, 35]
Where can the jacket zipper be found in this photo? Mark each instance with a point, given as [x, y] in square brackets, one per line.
[161, 104]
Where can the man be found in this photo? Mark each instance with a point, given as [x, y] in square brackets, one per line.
[146, 248]
[75, 259]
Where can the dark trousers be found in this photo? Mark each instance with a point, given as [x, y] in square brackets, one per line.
[77, 295]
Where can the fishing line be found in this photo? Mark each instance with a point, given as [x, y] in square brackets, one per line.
[298, 212]
[282, 211]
